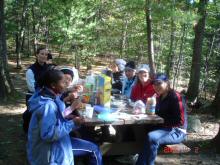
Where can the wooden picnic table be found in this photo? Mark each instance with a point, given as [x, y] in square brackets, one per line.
[134, 120]
[123, 148]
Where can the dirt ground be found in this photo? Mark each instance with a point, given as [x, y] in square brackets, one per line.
[13, 140]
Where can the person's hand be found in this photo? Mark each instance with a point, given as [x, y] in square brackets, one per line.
[72, 96]
[70, 117]
[78, 88]
[76, 104]
[78, 120]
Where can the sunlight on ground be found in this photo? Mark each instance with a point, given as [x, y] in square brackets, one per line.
[12, 110]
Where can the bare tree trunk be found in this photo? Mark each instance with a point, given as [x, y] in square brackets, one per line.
[216, 141]
[169, 64]
[199, 28]
[150, 38]
[216, 101]
[207, 57]
[124, 38]
[28, 37]
[22, 43]
[6, 86]
[216, 106]
[21, 27]
[34, 41]
[180, 58]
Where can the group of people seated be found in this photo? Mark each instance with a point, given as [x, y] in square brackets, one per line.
[52, 93]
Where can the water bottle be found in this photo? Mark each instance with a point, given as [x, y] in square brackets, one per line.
[150, 105]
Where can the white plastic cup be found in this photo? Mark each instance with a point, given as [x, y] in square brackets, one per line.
[89, 111]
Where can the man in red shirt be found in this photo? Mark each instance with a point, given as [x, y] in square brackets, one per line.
[144, 87]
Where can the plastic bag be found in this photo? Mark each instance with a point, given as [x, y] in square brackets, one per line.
[139, 107]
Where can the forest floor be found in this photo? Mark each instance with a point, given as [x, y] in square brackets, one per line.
[13, 140]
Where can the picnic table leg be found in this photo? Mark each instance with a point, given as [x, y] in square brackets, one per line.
[140, 132]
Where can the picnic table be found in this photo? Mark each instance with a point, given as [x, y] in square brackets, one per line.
[125, 119]
[123, 116]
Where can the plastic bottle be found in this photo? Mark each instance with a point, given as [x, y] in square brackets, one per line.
[150, 105]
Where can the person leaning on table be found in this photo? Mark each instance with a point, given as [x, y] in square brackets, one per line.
[172, 108]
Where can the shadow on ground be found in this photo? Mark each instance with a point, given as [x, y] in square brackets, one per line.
[13, 142]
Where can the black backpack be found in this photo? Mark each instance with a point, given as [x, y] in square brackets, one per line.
[26, 116]
[26, 120]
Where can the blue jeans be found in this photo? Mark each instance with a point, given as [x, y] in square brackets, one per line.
[86, 148]
[155, 139]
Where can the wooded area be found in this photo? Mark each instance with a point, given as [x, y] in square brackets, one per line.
[181, 38]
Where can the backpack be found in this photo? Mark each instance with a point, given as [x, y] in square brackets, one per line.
[183, 100]
[26, 116]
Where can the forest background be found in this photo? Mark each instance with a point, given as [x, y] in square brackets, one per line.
[180, 38]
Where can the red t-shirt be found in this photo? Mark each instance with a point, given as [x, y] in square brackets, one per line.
[140, 92]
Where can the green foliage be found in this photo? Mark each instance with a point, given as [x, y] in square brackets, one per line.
[117, 27]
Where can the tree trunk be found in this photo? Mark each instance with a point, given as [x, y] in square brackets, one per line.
[150, 38]
[34, 41]
[193, 88]
[180, 58]
[21, 33]
[216, 101]
[169, 63]
[207, 58]
[28, 38]
[216, 106]
[216, 141]
[6, 86]
[124, 38]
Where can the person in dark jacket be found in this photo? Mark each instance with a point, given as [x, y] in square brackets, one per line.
[36, 70]
[33, 76]
[171, 107]
[117, 76]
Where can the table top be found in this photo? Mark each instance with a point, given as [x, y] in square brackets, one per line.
[134, 119]
[124, 116]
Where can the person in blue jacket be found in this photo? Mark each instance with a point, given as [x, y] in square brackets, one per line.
[49, 142]
[171, 107]
[130, 80]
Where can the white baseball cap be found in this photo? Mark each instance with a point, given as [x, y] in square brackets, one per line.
[143, 67]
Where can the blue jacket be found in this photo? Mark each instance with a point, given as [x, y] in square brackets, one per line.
[49, 142]
[127, 86]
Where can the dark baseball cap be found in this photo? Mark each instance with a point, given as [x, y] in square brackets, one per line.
[130, 65]
[160, 77]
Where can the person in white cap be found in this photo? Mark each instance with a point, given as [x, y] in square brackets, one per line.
[121, 64]
[117, 69]
[143, 89]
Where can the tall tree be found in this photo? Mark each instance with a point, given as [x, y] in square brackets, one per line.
[150, 37]
[169, 64]
[20, 33]
[6, 86]
[199, 28]
[216, 101]
[216, 106]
